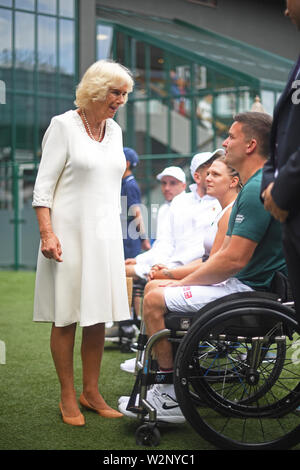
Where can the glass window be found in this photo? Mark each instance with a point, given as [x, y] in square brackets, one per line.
[67, 8]
[47, 107]
[158, 81]
[158, 126]
[2, 92]
[65, 104]
[204, 121]
[180, 133]
[120, 38]
[179, 85]
[24, 43]
[7, 228]
[5, 126]
[140, 71]
[245, 101]
[24, 127]
[226, 104]
[47, 59]
[5, 38]
[6, 3]
[25, 4]
[104, 41]
[204, 111]
[47, 6]
[268, 101]
[200, 77]
[5, 46]
[140, 126]
[66, 47]
[24, 51]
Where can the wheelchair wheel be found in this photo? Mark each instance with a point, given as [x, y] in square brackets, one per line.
[248, 397]
[147, 435]
[228, 362]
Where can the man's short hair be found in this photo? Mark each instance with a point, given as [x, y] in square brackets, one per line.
[257, 126]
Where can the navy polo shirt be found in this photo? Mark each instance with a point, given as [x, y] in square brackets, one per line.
[131, 238]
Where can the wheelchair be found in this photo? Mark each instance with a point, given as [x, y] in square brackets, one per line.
[127, 330]
[236, 371]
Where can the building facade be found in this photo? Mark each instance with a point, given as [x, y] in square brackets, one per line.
[191, 77]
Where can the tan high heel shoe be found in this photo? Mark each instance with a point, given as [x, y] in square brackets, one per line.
[105, 413]
[73, 420]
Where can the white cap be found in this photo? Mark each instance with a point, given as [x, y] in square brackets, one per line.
[174, 171]
[201, 158]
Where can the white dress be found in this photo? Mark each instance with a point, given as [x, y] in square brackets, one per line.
[79, 179]
[212, 230]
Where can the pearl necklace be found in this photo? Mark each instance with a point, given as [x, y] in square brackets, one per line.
[101, 128]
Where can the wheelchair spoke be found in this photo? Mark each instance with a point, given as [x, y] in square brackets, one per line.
[248, 385]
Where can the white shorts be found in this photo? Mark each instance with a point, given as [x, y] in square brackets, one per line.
[192, 298]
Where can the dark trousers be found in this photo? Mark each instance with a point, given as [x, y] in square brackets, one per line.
[291, 245]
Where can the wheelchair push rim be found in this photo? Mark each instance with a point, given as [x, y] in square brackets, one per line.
[251, 404]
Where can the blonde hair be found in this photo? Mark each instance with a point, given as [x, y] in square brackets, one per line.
[231, 171]
[99, 78]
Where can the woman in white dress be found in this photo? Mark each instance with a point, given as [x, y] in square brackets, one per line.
[80, 270]
[223, 183]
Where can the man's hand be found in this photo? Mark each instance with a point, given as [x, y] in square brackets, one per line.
[271, 206]
[156, 271]
[146, 245]
[130, 261]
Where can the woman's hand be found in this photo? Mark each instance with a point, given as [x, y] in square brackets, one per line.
[50, 246]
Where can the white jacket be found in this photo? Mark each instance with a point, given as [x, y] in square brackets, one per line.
[161, 243]
[190, 217]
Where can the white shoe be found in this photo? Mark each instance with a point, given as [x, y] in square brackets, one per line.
[129, 365]
[124, 398]
[167, 408]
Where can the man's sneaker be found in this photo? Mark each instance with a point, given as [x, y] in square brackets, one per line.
[125, 398]
[127, 331]
[112, 333]
[128, 365]
[167, 408]
[118, 331]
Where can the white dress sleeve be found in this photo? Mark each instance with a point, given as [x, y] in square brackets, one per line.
[54, 156]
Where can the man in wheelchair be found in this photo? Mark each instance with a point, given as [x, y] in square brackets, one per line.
[250, 255]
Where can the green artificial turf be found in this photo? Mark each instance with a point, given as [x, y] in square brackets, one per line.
[29, 390]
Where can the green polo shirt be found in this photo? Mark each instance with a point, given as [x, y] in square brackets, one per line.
[250, 220]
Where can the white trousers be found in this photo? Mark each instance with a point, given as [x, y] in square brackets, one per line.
[192, 298]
